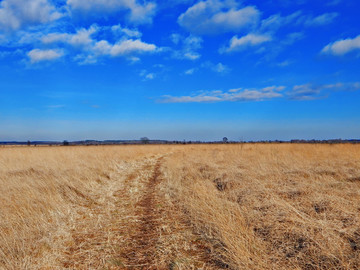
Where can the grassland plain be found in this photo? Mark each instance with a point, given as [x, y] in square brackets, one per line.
[247, 206]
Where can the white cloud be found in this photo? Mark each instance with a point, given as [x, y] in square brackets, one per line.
[146, 75]
[190, 55]
[193, 43]
[275, 22]
[37, 55]
[15, 14]
[297, 92]
[131, 46]
[293, 37]
[125, 47]
[246, 41]
[102, 47]
[190, 71]
[215, 16]
[353, 86]
[82, 37]
[231, 95]
[89, 49]
[305, 92]
[86, 59]
[343, 46]
[323, 19]
[311, 92]
[284, 63]
[128, 32]
[190, 45]
[175, 38]
[139, 13]
[219, 67]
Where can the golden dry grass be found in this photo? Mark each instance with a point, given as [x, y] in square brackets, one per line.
[251, 206]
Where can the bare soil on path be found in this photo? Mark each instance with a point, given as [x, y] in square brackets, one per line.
[129, 224]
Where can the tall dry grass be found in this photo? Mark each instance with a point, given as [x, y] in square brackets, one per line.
[258, 206]
[44, 190]
[273, 206]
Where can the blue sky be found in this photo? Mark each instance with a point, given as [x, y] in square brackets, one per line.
[193, 70]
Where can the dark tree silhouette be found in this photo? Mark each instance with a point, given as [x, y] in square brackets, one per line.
[225, 140]
[144, 140]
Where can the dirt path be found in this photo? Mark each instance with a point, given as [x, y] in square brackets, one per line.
[141, 245]
[133, 226]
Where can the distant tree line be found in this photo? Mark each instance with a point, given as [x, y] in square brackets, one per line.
[146, 140]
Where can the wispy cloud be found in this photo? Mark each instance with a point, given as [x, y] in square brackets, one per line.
[322, 19]
[147, 75]
[243, 42]
[189, 46]
[231, 95]
[218, 68]
[190, 71]
[132, 33]
[274, 22]
[312, 92]
[298, 92]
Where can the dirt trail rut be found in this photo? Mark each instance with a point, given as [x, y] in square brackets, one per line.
[133, 226]
[142, 245]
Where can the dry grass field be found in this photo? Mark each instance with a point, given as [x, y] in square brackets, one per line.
[250, 206]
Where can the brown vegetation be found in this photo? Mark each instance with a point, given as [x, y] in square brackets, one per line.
[249, 206]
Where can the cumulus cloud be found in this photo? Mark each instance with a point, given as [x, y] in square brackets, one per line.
[80, 38]
[89, 49]
[139, 13]
[15, 14]
[246, 41]
[343, 46]
[215, 16]
[131, 46]
[125, 47]
[231, 95]
[37, 55]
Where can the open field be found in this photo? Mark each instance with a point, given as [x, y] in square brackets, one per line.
[251, 206]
